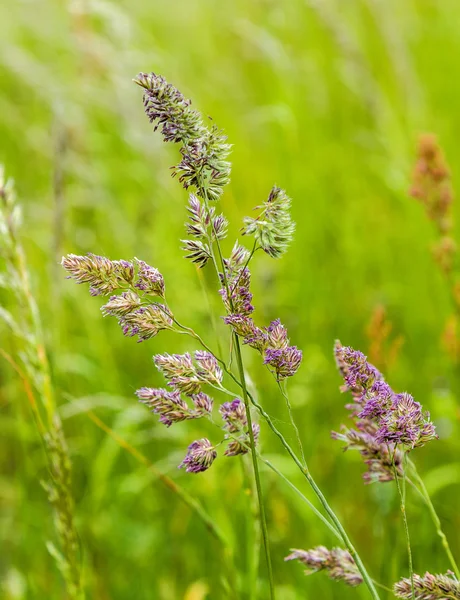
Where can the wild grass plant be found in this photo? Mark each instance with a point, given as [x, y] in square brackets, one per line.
[325, 100]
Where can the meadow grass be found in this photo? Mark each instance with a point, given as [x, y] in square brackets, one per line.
[323, 99]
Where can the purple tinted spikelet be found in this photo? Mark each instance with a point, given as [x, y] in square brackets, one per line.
[171, 407]
[197, 251]
[277, 335]
[378, 457]
[103, 275]
[242, 444]
[146, 322]
[204, 150]
[234, 415]
[149, 279]
[203, 403]
[235, 424]
[200, 456]
[207, 367]
[338, 563]
[182, 374]
[239, 301]
[405, 423]
[357, 373]
[121, 305]
[273, 229]
[285, 362]
[428, 587]
[179, 371]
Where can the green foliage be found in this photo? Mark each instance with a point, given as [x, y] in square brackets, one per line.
[325, 99]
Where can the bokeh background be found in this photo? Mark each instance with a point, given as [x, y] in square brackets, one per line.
[322, 97]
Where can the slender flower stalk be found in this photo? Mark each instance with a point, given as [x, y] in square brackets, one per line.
[435, 518]
[252, 441]
[402, 495]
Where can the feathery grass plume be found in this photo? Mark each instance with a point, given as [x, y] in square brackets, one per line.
[204, 150]
[26, 325]
[429, 587]
[273, 229]
[338, 563]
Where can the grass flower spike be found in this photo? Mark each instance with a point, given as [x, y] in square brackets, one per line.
[273, 229]
[338, 563]
[429, 587]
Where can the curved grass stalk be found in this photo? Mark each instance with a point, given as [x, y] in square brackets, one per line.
[435, 518]
[402, 496]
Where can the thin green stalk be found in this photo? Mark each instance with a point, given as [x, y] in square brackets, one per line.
[305, 471]
[293, 423]
[245, 394]
[263, 519]
[402, 496]
[299, 493]
[435, 518]
[253, 531]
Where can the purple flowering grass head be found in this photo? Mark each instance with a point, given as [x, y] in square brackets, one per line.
[169, 405]
[181, 372]
[208, 367]
[405, 423]
[149, 279]
[338, 563]
[122, 304]
[384, 417]
[428, 587]
[277, 335]
[200, 456]
[103, 275]
[240, 298]
[234, 415]
[147, 321]
[204, 149]
[285, 361]
[357, 373]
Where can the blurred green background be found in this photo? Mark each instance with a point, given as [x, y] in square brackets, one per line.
[322, 97]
